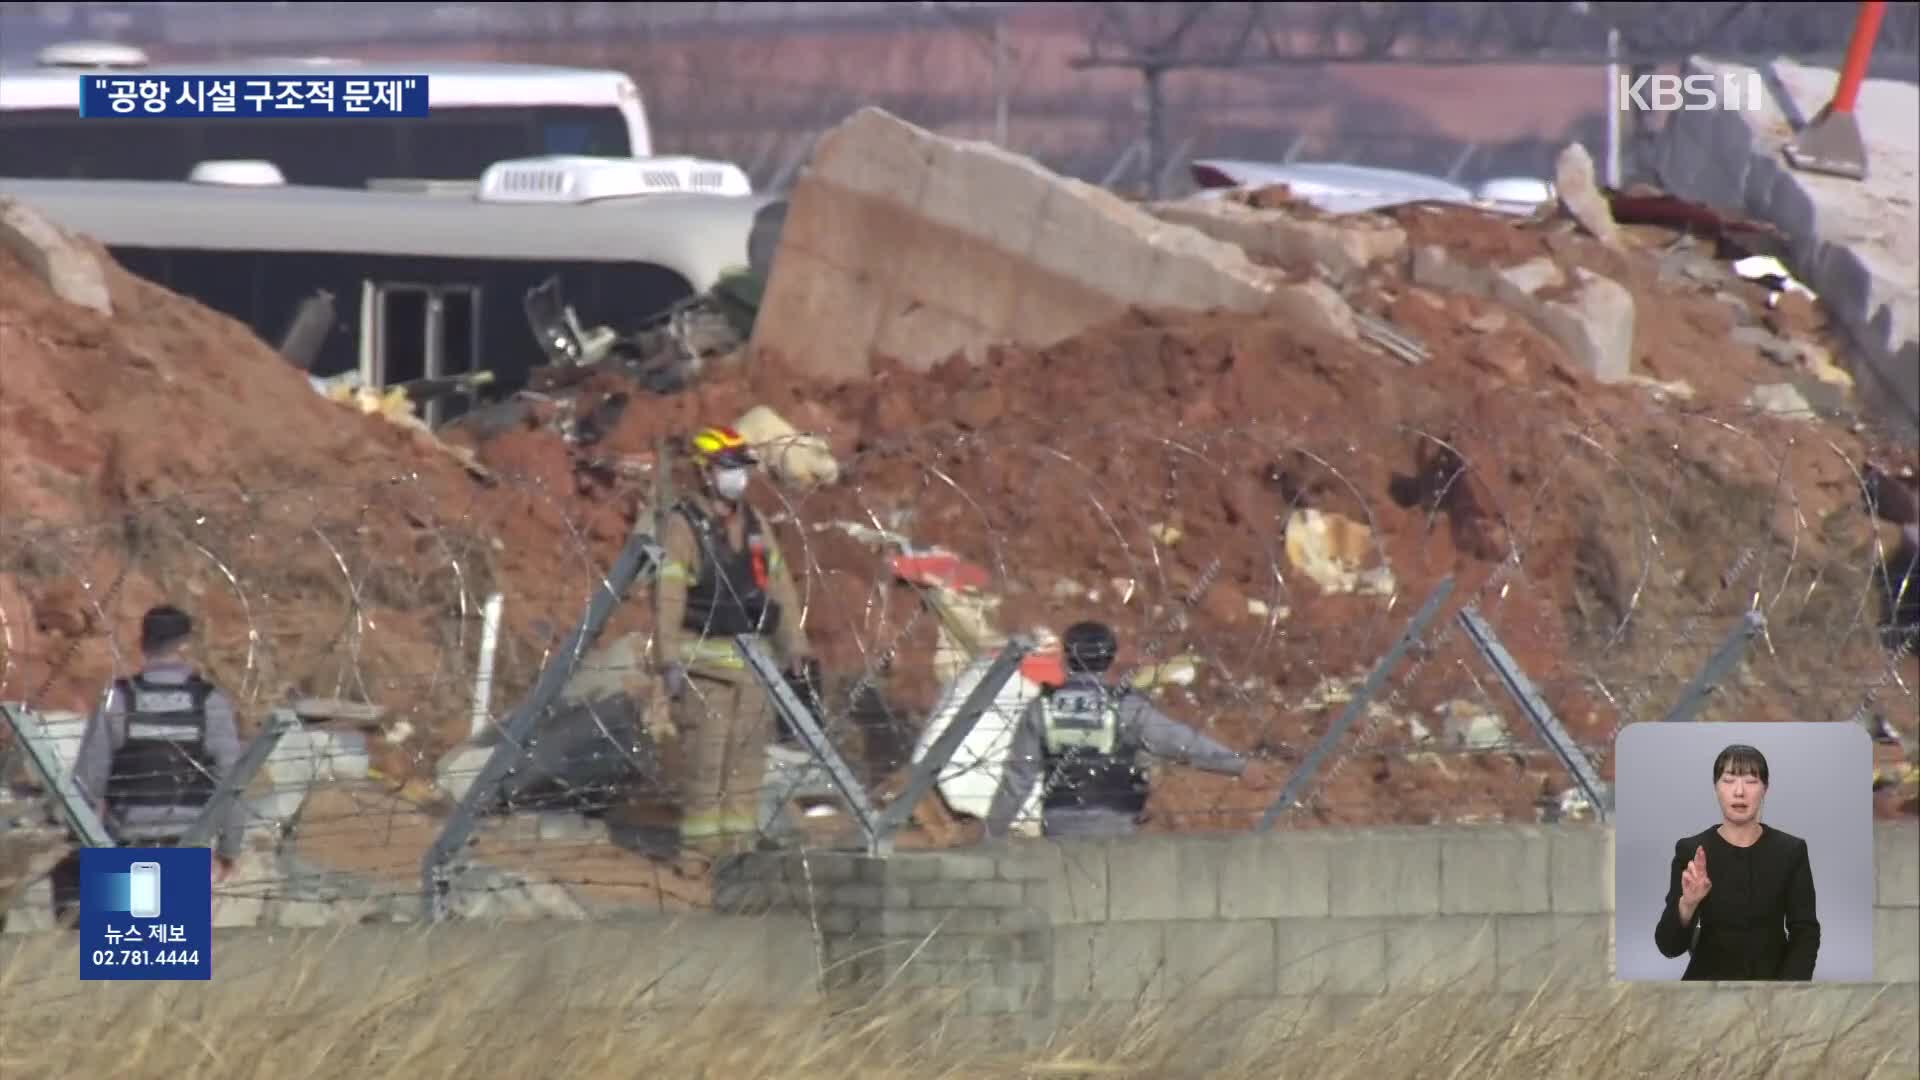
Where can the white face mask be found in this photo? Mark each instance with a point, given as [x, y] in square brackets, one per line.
[730, 483]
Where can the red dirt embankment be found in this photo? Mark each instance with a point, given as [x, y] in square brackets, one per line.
[1612, 540]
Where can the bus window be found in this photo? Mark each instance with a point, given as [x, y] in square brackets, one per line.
[323, 153]
[44, 147]
[403, 335]
[459, 348]
[594, 132]
[459, 148]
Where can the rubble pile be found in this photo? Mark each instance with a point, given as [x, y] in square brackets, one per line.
[1252, 436]
[1577, 435]
[163, 452]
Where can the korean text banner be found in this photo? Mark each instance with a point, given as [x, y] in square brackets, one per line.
[318, 96]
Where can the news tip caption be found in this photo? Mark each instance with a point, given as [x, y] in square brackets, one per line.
[146, 914]
[390, 96]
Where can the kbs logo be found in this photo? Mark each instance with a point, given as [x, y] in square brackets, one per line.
[1734, 91]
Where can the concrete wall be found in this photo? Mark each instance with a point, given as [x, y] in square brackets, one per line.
[692, 958]
[1856, 243]
[1028, 936]
[1052, 926]
[1372, 912]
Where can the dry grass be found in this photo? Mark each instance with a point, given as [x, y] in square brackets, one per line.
[480, 1014]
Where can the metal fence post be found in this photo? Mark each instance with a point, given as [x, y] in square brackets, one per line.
[641, 555]
[1723, 660]
[921, 780]
[1378, 676]
[279, 722]
[1522, 690]
[802, 720]
[73, 806]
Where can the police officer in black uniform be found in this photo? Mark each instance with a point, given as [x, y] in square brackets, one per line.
[1082, 741]
[159, 745]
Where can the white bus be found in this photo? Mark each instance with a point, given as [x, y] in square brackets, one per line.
[430, 280]
[480, 113]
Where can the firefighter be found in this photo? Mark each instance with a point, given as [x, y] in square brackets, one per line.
[159, 745]
[723, 575]
[1081, 740]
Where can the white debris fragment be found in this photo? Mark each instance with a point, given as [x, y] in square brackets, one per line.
[1768, 271]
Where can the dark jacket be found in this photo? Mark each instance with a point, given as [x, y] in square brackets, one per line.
[1757, 922]
[105, 742]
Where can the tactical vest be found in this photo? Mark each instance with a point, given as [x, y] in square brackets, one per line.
[164, 761]
[1089, 764]
[730, 595]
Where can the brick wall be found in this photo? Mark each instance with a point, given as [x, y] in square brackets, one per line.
[1059, 928]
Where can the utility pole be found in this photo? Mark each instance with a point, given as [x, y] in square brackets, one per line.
[1000, 80]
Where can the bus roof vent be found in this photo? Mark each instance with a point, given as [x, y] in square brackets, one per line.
[237, 174]
[91, 54]
[570, 179]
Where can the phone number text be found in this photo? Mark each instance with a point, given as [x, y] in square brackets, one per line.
[145, 957]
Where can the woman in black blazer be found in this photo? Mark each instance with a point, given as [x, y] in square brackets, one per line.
[1740, 898]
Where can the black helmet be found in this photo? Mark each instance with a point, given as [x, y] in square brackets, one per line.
[1089, 646]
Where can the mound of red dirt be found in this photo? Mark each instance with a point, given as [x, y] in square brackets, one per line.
[165, 453]
[1147, 473]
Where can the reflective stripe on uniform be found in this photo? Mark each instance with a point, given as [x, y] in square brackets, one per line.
[148, 729]
[717, 823]
[712, 652]
[674, 570]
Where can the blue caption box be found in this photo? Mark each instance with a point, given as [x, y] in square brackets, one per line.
[318, 96]
[146, 914]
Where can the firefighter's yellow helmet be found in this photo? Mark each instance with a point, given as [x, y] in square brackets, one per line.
[721, 446]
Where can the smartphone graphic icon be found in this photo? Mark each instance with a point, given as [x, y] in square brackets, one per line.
[143, 890]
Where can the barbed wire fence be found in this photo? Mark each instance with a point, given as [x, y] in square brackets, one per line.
[455, 728]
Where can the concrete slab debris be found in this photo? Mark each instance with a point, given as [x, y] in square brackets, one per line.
[1342, 248]
[1332, 551]
[794, 458]
[1580, 194]
[68, 268]
[1781, 399]
[1593, 325]
[901, 242]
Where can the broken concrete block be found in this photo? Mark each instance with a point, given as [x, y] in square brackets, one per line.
[1593, 327]
[1331, 550]
[69, 269]
[241, 900]
[32, 909]
[1574, 182]
[905, 242]
[1781, 399]
[795, 459]
[1343, 247]
[302, 758]
[1315, 304]
[1472, 727]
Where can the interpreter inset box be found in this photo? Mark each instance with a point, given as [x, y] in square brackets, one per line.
[1743, 852]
